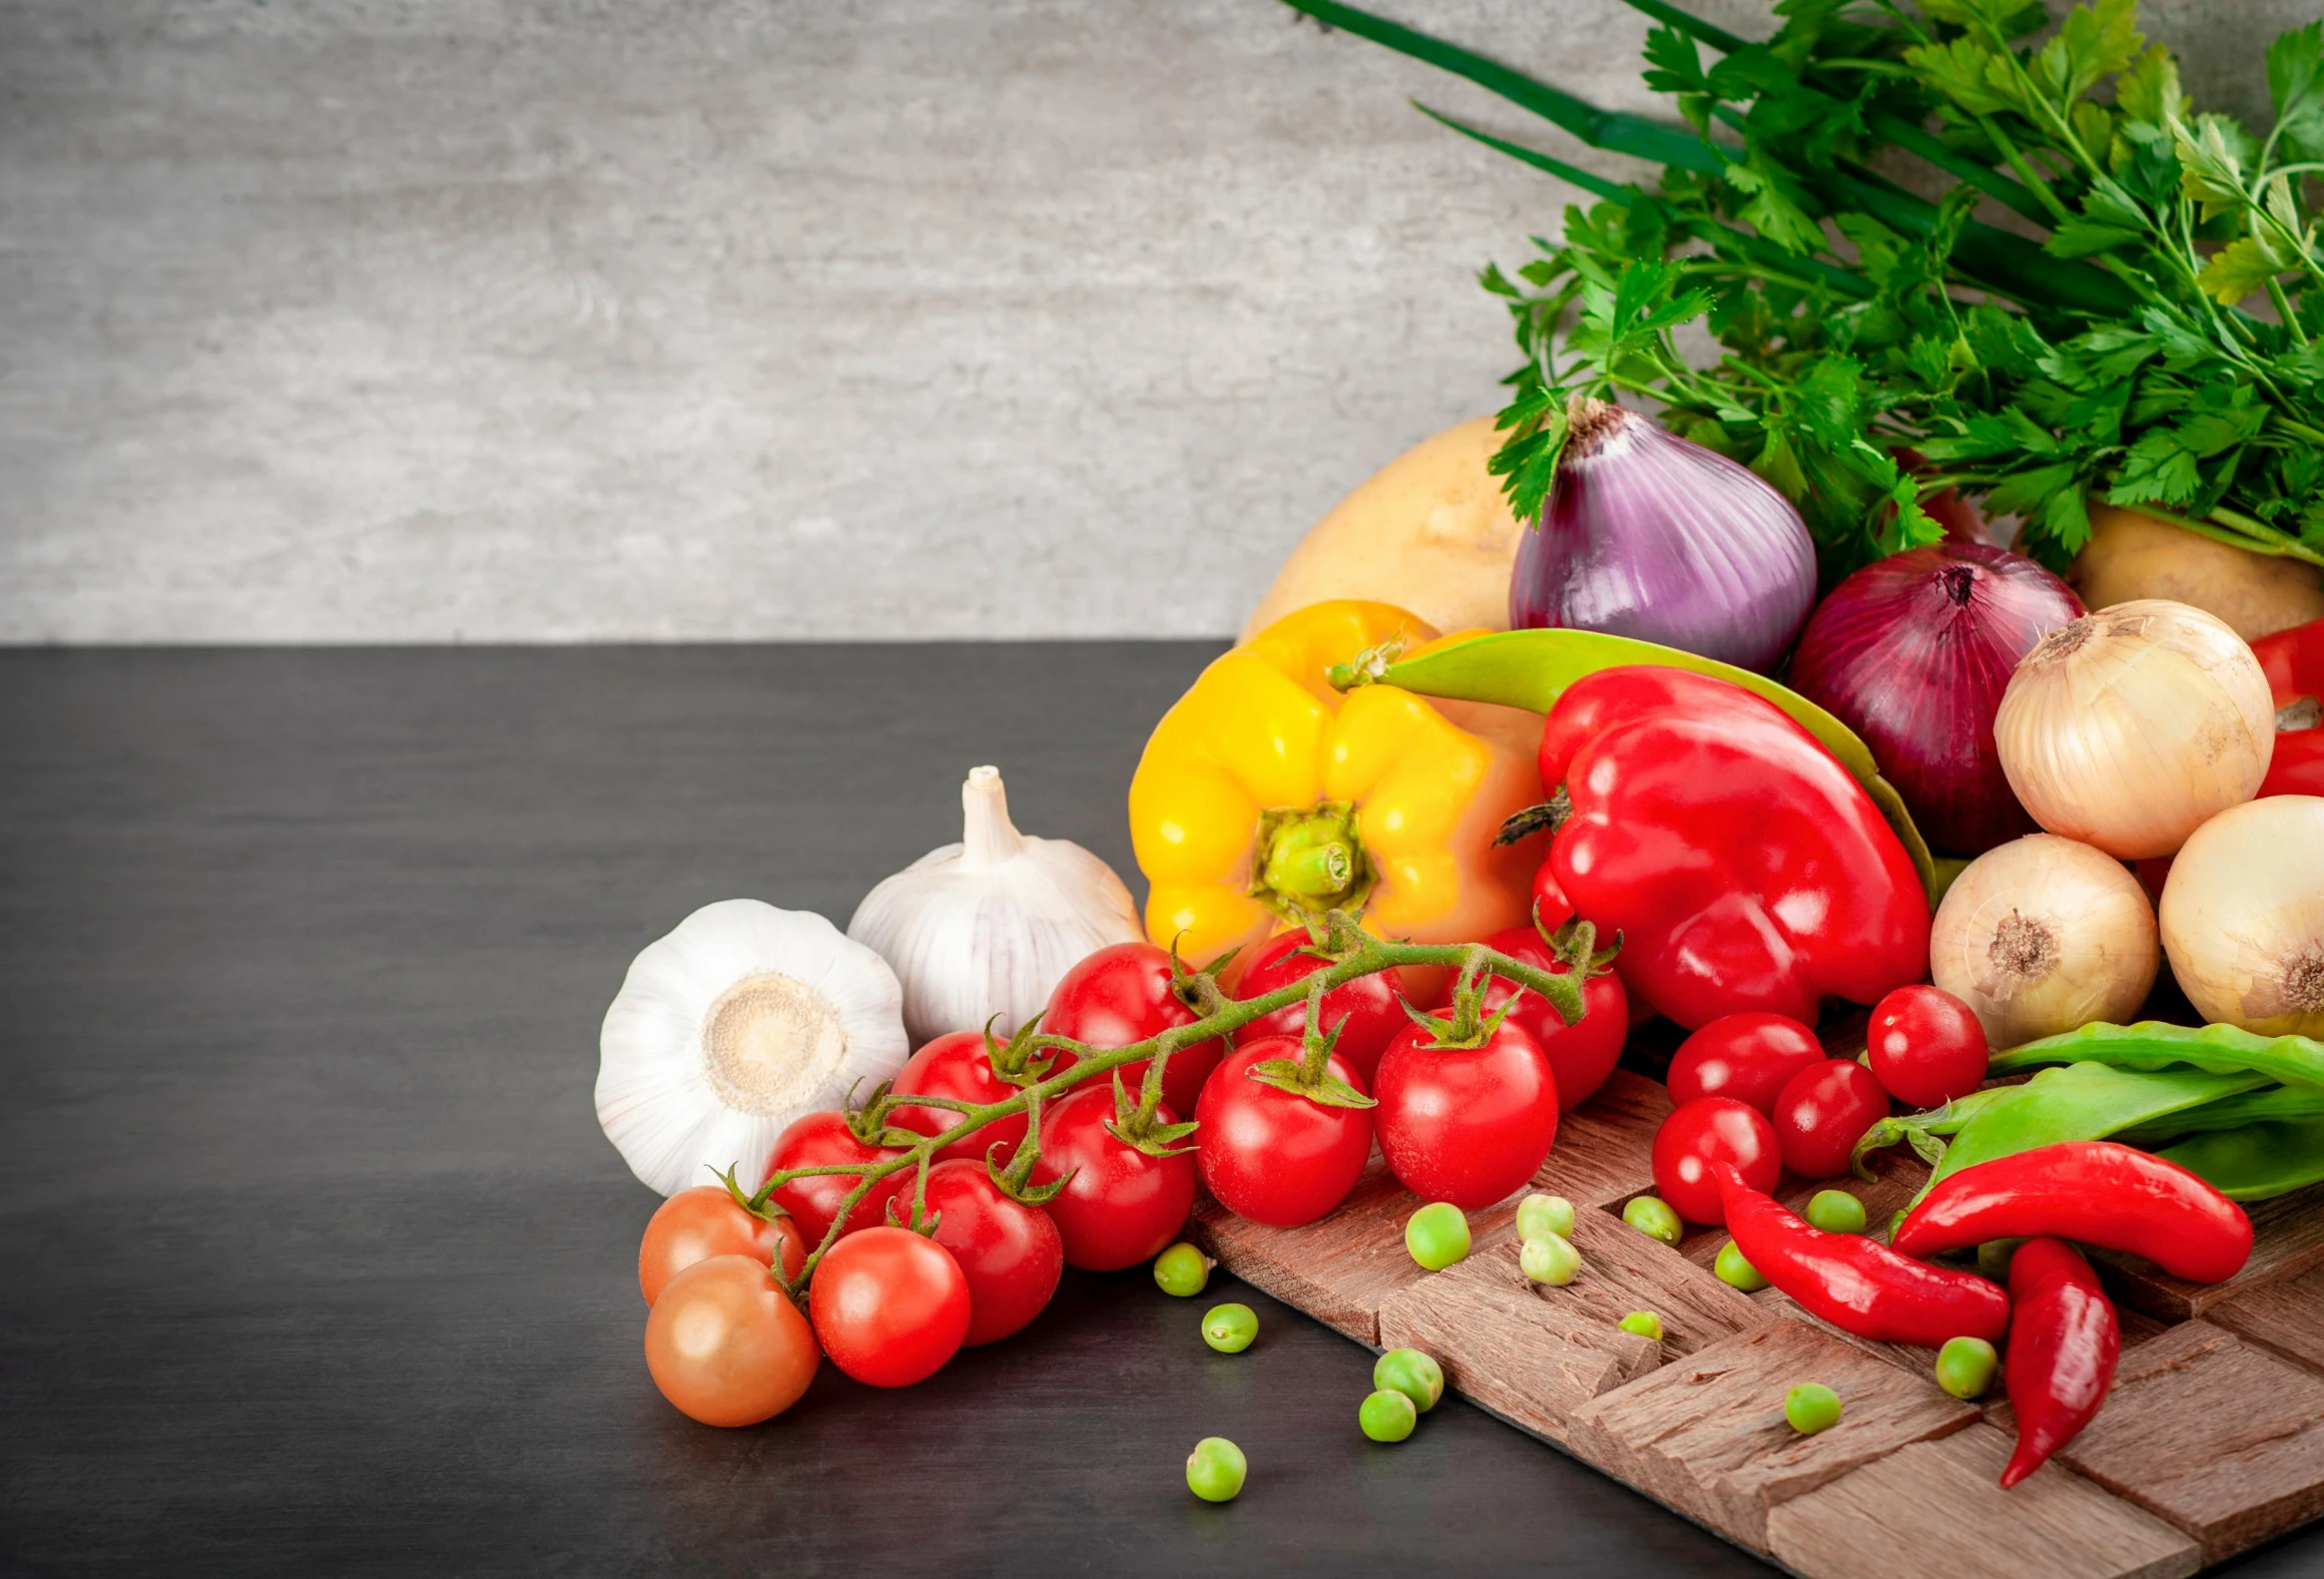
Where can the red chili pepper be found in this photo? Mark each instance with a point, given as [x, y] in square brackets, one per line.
[2064, 1342]
[1859, 1284]
[1743, 867]
[2094, 1193]
[2293, 662]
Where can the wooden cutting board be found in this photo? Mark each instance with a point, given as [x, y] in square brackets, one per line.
[2211, 1443]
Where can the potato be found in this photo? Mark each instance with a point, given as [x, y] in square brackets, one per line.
[2136, 556]
[1430, 532]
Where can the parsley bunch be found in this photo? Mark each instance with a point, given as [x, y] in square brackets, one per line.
[2140, 323]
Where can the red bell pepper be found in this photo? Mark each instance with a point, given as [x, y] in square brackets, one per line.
[1743, 867]
[2091, 1192]
[2064, 1342]
[2293, 662]
[1858, 1283]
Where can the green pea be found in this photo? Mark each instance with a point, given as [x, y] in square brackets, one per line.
[1544, 1214]
[1182, 1271]
[1230, 1328]
[1413, 1373]
[1836, 1212]
[1652, 1216]
[1643, 1322]
[1388, 1416]
[1215, 1469]
[1964, 1367]
[1811, 1407]
[1733, 1269]
[1438, 1236]
[1549, 1257]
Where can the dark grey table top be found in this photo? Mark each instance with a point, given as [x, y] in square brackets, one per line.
[316, 1263]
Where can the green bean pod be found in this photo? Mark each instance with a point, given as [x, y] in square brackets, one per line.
[2273, 1105]
[2257, 1161]
[2083, 1102]
[2150, 1044]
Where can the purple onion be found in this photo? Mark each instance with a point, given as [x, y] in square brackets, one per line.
[1647, 535]
[1913, 653]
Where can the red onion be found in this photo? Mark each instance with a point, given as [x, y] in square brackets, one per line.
[1913, 653]
[1647, 535]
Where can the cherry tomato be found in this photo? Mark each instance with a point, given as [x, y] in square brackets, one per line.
[1699, 1141]
[1746, 1056]
[1464, 1125]
[1925, 1046]
[1124, 994]
[822, 1140]
[1271, 1155]
[889, 1306]
[1009, 1252]
[695, 1224]
[1823, 1112]
[1552, 908]
[726, 1346]
[1365, 1010]
[957, 1065]
[1122, 1206]
[1582, 1055]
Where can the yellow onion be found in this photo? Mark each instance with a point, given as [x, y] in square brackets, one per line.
[2129, 728]
[2244, 916]
[2040, 936]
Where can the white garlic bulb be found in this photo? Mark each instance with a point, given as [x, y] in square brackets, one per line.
[741, 1019]
[987, 926]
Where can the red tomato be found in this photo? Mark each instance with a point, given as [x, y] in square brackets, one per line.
[1122, 1206]
[1365, 1010]
[1925, 1046]
[1699, 1141]
[1582, 1055]
[1550, 906]
[1823, 1112]
[957, 1065]
[695, 1224]
[726, 1346]
[1123, 994]
[889, 1306]
[1746, 1056]
[1009, 1252]
[1272, 1156]
[1464, 1125]
[822, 1140]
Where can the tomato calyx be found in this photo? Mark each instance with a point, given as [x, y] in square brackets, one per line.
[1310, 1075]
[1467, 1025]
[1139, 1126]
[1549, 816]
[1017, 1061]
[1575, 943]
[1016, 1178]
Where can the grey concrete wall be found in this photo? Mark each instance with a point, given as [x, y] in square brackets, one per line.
[366, 320]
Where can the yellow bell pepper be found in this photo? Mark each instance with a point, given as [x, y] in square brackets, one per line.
[1266, 795]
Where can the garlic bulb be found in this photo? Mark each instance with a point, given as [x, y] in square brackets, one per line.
[2244, 916]
[987, 925]
[2127, 727]
[2041, 936]
[738, 1021]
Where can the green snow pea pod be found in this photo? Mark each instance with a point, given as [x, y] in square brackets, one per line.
[2232, 1113]
[2081, 1101]
[2150, 1044]
[1921, 1130]
[2257, 1161]
[1531, 668]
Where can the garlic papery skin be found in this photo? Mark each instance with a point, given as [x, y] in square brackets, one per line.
[738, 1021]
[2244, 916]
[2042, 935]
[2129, 728]
[987, 927]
